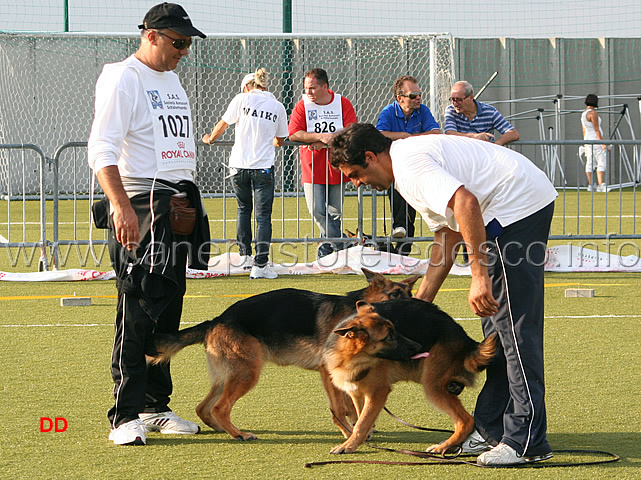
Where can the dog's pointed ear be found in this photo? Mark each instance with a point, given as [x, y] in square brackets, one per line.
[411, 280]
[362, 307]
[372, 276]
[345, 332]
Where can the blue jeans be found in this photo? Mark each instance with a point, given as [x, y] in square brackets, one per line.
[325, 204]
[261, 182]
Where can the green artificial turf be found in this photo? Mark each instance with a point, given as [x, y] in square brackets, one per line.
[55, 363]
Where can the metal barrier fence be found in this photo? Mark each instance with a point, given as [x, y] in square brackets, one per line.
[580, 214]
[20, 185]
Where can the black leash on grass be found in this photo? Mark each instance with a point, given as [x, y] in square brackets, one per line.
[453, 460]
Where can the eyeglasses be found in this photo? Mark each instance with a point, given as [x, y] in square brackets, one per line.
[178, 43]
[411, 95]
[457, 99]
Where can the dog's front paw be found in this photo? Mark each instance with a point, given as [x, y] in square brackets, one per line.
[246, 436]
[342, 448]
[439, 449]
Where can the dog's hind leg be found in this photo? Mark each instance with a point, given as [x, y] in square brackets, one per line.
[340, 405]
[439, 372]
[203, 409]
[244, 367]
[352, 414]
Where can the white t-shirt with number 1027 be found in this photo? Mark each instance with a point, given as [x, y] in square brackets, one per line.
[142, 123]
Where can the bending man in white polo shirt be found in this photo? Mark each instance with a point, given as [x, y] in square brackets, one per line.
[500, 204]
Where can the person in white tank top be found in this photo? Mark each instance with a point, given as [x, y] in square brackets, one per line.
[591, 125]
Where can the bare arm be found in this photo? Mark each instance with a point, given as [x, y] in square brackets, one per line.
[446, 242]
[125, 220]
[279, 141]
[217, 131]
[486, 137]
[509, 136]
[399, 135]
[395, 135]
[308, 137]
[467, 211]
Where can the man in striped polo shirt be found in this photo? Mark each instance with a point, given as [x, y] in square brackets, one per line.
[470, 118]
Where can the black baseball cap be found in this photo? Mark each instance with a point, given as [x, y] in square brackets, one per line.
[170, 15]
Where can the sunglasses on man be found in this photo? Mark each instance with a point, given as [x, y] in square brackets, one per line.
[411, 95]
[457, 99]
[178, 43]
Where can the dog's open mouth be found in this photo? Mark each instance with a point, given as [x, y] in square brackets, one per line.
[418, 356]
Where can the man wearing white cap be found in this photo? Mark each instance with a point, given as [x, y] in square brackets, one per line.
[143, 153]
[261, 125]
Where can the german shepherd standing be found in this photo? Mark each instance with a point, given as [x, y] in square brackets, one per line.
[374, 347]
[286, 327]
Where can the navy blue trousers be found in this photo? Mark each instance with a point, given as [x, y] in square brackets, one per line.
[511, 405]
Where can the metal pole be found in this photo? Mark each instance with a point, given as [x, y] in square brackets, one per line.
[287, 85]
[433, 77]
[287, 16]
[480, 92]
[66, 8]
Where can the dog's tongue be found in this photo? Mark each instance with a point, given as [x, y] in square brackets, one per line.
[421, 355]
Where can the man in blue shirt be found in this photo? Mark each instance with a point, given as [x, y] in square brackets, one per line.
[405, 117]
[470, 118]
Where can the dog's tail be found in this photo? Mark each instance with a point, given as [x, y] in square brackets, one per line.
[478, 359]
[169, 344]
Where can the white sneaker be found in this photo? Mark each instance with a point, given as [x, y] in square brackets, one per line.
[503, 454]
[263, 272]
[169, 423]
[247, 262]
[474, 444]
[399, 232]
[590, 188]
[601, 188]
[129, 433]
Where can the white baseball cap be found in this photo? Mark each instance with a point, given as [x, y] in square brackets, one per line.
[248, 78]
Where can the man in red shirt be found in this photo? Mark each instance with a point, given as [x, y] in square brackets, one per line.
[319, 115]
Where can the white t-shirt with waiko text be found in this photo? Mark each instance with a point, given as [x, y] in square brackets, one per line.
[259, 117]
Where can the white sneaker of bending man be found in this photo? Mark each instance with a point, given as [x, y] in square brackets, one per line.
[475, 444]
[503, 454]
[168, 423]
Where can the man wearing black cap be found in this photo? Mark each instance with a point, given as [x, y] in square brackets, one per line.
[143, 153]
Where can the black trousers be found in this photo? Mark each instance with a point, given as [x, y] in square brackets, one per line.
[511, 405]
[403, 215]
[137, 387]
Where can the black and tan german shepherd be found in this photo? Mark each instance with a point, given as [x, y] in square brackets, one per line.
[373, 348]
[286, 327]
